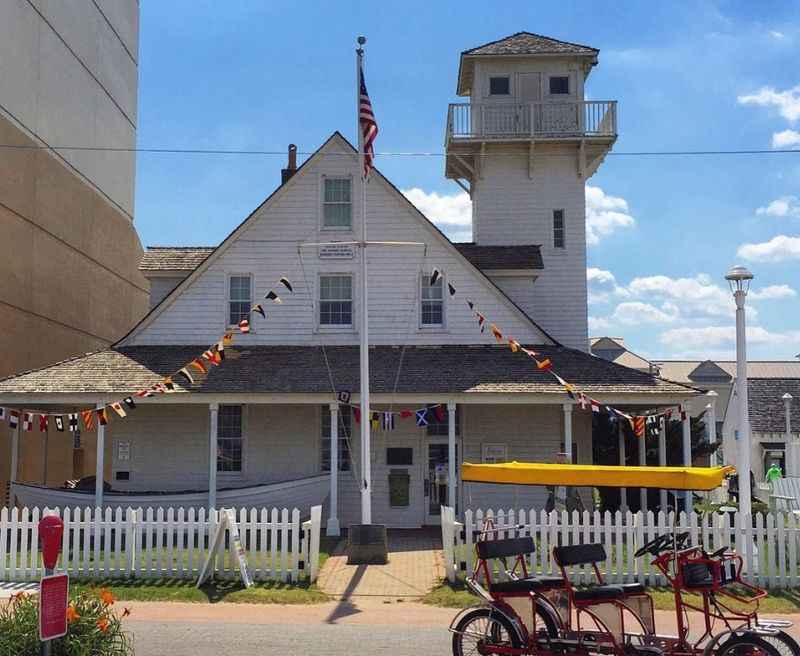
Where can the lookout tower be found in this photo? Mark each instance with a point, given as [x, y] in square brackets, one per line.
[523, 146]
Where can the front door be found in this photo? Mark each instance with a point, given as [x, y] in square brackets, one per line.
[530, 93]
[436, 481]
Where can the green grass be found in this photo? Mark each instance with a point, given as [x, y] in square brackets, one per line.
[168, 589]
[456, 595]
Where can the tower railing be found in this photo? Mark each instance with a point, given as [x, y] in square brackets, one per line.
[556, 119]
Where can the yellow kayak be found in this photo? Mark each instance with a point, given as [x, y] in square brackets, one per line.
[541, 473]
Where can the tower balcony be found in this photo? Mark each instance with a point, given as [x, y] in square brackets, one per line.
[537, 120]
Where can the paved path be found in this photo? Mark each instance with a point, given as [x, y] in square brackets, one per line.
[368, 626]
[8, 588]
[415, 566]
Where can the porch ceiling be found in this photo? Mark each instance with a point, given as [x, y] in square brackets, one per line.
[302, 370]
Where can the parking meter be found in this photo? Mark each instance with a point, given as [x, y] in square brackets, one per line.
[51, 530]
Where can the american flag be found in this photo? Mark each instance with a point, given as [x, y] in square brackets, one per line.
[366, 119]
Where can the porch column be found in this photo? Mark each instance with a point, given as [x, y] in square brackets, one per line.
[14, 454]
[99, 474]
[662, 457]
[643, 463]
[687, 452]
[792, 455]
[332, 527]
[623, 492]
[213, 416]
[567, 407]
[451, 454]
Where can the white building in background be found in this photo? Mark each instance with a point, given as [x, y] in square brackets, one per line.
[262, 422]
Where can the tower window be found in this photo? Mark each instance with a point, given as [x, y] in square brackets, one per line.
[559, 84]
[559, 240]
[432, 299]
[499, 86]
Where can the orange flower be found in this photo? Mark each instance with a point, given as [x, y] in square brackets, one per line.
[106, 596]
[72, 614]
[102, 624]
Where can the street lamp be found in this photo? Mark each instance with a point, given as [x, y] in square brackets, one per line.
[739, 281]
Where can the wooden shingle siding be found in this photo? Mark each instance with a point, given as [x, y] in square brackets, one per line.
[268, 248]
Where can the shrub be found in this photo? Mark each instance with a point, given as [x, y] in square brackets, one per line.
[93, 629]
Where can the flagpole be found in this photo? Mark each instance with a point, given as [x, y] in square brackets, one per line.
[366, 474]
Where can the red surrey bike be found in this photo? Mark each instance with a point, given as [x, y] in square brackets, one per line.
[549, 616]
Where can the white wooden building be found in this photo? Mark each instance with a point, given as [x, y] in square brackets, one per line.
[261, 422]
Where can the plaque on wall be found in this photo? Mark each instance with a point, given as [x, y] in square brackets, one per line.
[124, 451]
[337, 252]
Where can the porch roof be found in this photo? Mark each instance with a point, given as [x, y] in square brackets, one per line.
[302, 369]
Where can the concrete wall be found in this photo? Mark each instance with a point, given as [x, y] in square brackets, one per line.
[69, 279]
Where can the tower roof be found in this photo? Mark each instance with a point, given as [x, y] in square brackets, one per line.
[521, 43]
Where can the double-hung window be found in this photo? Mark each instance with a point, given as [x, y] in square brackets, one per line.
[229, 439]
[337, 205]
[343, 435]
[240, 298]
[559, 238]
[336, 300]
[432, 302]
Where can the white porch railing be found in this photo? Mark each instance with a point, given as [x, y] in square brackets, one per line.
[102, 543]
[773, 559]
[538, 119]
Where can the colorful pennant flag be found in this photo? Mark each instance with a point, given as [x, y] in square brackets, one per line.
[185, 373]
[528, 352]
[435, 275]
[285, 282]
[481, 320]
[497, 334]
[102, 416]
[129, 402]
[544, 365]
[73, 422]
[595, 405]
[357, 415]
[387, 421]
[59, 421]
[169, 386]
[374, 420]
[117, 407]
[583, 400]
[260, 310]
[227, 339]
[27, 421]
[422, 417]
[405, 414]
[244, 326]
[43, 423]
[13, 419]
[198, 364]
[513, 344]
[470, 304]
[439, 413]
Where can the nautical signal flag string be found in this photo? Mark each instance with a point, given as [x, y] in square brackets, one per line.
[213, 356]
[640, 424]
[387, 419]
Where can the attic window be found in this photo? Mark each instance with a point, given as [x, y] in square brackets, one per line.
[559, 85]
[499, 86]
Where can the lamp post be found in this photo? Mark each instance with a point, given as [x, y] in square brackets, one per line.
[739, 281]
[792, 464]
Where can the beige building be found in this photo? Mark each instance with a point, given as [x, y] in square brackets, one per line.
[70, 252]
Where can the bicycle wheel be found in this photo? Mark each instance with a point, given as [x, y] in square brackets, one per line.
[483, 628]
[783, 642]
[748, 644]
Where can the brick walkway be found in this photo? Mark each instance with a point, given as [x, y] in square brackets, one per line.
[415, 566]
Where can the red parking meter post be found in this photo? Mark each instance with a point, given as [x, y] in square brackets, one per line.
[54, 597]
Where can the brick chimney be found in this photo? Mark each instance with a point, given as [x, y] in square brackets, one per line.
[291, 167]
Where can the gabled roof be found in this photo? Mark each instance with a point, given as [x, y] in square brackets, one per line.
[174, 258]
[487, 258]
[767, 411]
[231, 238]
[516, 45]
[302, 369]
[709, 371]
[680, 370]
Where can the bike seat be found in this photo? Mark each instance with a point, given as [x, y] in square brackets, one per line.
[530, 584]
[600, 592]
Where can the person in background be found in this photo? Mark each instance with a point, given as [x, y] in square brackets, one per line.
[774, 473]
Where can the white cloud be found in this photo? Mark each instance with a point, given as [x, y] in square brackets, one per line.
[775, 34]
[708, 337]
[771, 293]
[634, 313]
[777, 249]
[787, 102]
[605, 215]
[786, 139]
[452, 214]
[600, 276]
[695, 296]
[781, 207]
[598, 324]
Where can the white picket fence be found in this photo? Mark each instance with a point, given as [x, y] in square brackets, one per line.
[772, 558]
[105, 543]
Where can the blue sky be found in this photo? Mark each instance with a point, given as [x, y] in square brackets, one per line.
[687, 76]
